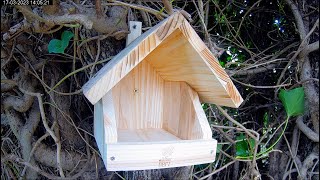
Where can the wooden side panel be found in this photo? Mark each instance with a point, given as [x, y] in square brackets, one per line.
[201, 128]
[157, 155]
[138, 99]
[171, 109]
[183, 114]
[109, 119]
[98, 127]
[187, 121]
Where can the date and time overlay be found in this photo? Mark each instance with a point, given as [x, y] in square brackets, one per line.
[26, 2]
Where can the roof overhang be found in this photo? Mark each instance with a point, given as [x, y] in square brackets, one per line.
[177, 53]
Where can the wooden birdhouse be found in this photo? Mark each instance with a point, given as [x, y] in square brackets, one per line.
[147, 100]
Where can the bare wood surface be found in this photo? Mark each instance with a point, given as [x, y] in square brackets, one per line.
[142, 91]
[208, 71]
[158, 155]
[145, 135]
[183, 115]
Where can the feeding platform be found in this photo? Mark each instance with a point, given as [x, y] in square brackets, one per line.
[147, 100]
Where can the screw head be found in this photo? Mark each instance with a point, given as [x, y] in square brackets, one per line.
[112, 158]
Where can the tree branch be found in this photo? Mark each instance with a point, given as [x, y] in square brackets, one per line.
[139, 7]
[168, 6]
[298, 18]
[310, 48]
[45, 123]
[236, 122]
[306, 130]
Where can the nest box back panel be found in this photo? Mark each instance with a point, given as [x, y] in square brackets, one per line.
[143, 100]
[138, 98]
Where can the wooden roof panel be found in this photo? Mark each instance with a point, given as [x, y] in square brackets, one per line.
[177, 53]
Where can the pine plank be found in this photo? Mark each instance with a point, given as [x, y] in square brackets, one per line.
[158, 155]
[175, 50]
[138, 99]
[183, 115]
[145, 135]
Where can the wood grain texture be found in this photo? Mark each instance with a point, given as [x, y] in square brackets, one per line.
[138, 99]
[183, 115]
[145, 135]
[175, 50]
[157, 155]
[109, 119]
[183, 63]
[108, 76]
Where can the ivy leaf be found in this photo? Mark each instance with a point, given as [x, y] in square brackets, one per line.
[244, 147]
[241, 146]
[293, 101]
[58, 46]
[66, 37]
[55, 46]
[222, 64]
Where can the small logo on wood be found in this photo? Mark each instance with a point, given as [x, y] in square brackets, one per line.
[166, 156]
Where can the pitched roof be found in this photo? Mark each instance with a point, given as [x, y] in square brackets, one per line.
[177, 53]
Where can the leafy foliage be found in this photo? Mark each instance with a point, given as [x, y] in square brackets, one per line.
[244, 147]
[265, 119]
[293, 101]
[58, 46]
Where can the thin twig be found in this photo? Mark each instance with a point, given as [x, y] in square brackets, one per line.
[292, 155]
[158, 14]
[218, 170]
[302, 46]
[236, 122]
[168, 6]
[45, 123]
[261, 87]
[243, 17]
[14, 158]
[35, 147]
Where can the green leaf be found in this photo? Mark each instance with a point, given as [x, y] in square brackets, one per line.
[293, 101]
[66, 35]
[241, 146]
[65, 38]
[205, 106]
[219, 147]
[244, 147]
[265, 119]
[55, 46]
[222, 64]
[58, 46]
